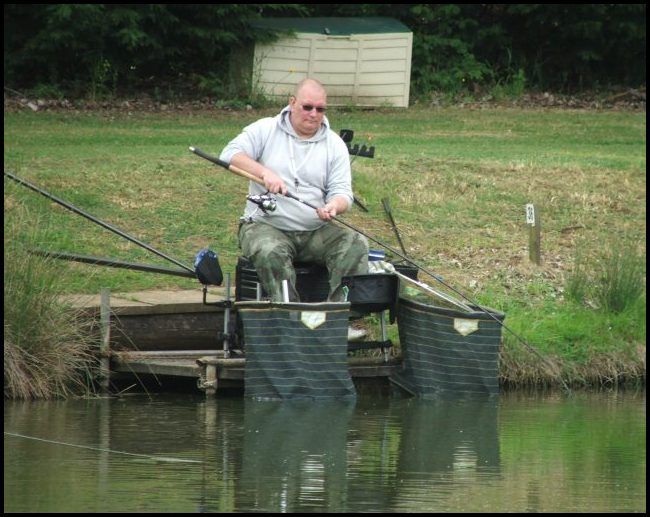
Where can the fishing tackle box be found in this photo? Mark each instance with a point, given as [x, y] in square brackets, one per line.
[374, 292]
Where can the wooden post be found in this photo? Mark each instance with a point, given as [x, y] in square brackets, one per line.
[226, 320]
[104, 345]
[534, 234]
[211, 380]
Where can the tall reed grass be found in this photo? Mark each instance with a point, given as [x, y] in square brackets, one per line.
[576, 288]
[615, 281]
[622, 278]
[47, 345]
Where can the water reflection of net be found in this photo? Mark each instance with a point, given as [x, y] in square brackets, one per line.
[295, 455]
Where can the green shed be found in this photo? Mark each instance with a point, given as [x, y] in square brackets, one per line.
[361, 61]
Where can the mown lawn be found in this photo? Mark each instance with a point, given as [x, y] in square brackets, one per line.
[457, 180]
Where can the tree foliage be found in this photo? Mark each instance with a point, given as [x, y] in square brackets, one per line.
[100, 49]
[554, 46]
[110, 48]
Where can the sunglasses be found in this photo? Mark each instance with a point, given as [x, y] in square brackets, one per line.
[309, 107]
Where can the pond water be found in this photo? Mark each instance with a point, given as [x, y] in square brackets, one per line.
[519, 452]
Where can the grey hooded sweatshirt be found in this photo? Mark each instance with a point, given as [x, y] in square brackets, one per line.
[315, 169]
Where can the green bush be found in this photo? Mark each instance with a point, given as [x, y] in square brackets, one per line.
[622, 278]
[512, 88]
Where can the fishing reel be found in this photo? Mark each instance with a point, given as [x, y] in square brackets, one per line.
[266, 202]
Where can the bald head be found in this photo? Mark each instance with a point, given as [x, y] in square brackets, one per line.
[311, 84]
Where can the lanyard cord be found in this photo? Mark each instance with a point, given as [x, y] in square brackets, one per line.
[292, 160]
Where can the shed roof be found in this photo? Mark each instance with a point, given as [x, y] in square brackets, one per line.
[334, 26]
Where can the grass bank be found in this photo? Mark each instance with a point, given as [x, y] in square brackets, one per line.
[458, 180]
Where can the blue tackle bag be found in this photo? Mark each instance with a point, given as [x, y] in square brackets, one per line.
[207, 268]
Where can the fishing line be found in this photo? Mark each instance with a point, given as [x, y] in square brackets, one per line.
[155, 458]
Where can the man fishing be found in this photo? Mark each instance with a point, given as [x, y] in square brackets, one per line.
[297, 152]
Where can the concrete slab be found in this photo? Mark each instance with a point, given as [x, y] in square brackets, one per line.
[147, 298]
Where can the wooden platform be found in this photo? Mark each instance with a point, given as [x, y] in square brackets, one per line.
[160, 320]
[174, 334]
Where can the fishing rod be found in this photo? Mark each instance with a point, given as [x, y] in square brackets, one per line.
[94, 219]
[245, 174]
[389, 213]
[101, 261]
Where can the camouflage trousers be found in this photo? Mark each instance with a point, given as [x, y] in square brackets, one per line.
[273, 252]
